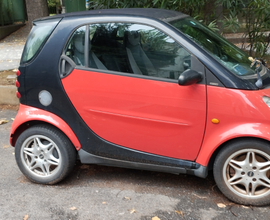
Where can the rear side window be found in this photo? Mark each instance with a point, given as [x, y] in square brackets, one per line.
[39, 34]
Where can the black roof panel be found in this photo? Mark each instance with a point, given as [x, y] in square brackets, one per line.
[160, 14]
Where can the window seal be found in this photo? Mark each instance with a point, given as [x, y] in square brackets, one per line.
[86, 47]
[127, 74]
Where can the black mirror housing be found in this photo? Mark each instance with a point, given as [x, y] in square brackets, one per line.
[189, 77]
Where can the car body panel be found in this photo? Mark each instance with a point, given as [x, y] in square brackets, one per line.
[148, 115]
[241, 113]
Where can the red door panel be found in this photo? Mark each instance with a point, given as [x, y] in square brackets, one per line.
[147, 115]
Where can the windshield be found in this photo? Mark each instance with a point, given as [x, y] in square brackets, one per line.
[224, 52]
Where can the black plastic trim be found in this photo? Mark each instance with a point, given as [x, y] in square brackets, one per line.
[126, 74]
[212, 80]
[196, 170]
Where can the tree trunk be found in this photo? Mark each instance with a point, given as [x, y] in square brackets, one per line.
[213, 10]
[36, 9]
[219, 16]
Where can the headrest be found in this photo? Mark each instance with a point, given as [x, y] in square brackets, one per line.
[133, 37]
[78, 40]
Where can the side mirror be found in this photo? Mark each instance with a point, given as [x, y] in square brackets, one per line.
[189, 77]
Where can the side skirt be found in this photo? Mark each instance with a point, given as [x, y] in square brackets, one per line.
[88, 158]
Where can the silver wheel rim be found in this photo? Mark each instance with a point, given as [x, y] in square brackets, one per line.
[41, 156]
[247, 173]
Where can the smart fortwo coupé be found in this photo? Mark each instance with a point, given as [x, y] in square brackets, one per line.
[146, 89]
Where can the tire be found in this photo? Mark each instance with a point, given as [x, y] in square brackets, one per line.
[44, 154]
[242, 171]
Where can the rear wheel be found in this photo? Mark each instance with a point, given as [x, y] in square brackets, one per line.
[242, 171]
[44, 154]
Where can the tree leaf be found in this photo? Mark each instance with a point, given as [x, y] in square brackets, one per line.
[3, 121]
[179, 212]
[26, 217]
[221, 205]
[73, 208]
[131, 211]
[155, 218]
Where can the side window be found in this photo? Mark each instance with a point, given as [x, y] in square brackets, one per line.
[75, 47]
[152, 52]
[129, 48]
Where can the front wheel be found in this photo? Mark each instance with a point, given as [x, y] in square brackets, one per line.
[44, 154]
[242, 171]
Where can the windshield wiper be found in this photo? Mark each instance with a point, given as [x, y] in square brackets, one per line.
[259, 82]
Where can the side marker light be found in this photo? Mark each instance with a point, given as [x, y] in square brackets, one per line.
[215, 121]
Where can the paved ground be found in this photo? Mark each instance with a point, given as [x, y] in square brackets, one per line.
[11, 49]
[104, 193]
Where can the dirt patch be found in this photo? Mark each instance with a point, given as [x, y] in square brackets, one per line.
[8, 77]
[9, 107]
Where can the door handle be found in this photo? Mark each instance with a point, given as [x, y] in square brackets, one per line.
[66, 66]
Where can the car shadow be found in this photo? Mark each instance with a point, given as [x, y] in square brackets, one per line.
[142, 181]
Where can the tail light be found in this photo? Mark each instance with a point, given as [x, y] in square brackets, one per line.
[18, 95]
[17, 84]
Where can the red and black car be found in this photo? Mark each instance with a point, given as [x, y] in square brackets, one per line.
[146, 89]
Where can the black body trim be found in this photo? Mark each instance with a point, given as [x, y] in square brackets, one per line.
[212, 80]
[196, 170]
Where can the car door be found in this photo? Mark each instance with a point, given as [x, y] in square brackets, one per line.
[124, 86]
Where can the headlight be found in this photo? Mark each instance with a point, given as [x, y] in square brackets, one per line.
[266, 100]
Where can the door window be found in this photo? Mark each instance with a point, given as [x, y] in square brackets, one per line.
[129, 48]
[76, 46]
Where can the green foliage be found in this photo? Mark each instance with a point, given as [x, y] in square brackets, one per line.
[231, 23]
[254, 15]
[53, 3]
[213, 26]
[256, 19]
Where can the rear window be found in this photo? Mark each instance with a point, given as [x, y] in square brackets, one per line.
[37, 37]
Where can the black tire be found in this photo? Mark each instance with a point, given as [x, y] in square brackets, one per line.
[242, 171]
[44, 154]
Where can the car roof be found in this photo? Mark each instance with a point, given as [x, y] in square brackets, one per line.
[160, 14]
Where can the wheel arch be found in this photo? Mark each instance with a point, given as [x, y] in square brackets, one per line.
[223, 145]
[30, 116]
[19, 130]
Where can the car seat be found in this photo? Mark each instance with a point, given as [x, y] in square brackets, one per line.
[78, 57]
[110, 51]
[138, 60]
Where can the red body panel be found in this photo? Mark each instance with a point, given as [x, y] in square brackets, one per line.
[242, 113]
[27, 113]
[153, 116]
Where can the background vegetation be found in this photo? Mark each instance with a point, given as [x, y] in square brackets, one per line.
[249, 17]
